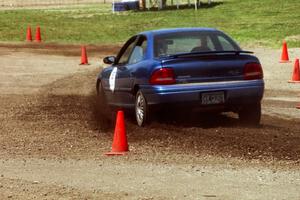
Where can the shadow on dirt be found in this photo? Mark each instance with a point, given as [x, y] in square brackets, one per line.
[196, 119]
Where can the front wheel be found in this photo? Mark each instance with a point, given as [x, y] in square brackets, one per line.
[250, 114]
[141, 109]
[101, 95]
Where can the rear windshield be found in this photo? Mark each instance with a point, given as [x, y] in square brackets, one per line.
[197, 41]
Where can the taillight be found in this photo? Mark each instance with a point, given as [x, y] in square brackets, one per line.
[163, 76]
[253, 71]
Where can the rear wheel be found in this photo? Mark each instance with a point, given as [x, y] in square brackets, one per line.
[141, 109]
[250, 114]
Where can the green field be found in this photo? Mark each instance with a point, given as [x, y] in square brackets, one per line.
[250, 22]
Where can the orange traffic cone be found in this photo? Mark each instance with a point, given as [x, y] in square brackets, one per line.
[296, 72]
[28, 35]
[84, 59]
[284, 54]
[38, 37]
[119, 145]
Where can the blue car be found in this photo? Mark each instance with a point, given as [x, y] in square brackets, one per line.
[190, 68]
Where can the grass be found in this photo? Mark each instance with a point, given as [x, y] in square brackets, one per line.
[250, 22]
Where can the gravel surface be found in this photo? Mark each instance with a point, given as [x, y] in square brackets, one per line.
[53, 140]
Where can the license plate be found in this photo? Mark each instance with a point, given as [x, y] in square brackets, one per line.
[210, 98]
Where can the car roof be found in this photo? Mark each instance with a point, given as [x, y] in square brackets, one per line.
[174, 30]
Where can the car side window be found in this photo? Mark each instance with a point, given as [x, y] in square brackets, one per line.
[225, 44]
[125, 53]
[210, 44]
[139, 51]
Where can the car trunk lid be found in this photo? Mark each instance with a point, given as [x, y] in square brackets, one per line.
[193, 68]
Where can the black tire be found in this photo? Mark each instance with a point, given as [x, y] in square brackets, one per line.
[101, 95]
[141, 109]
[101, 110]
[250, 114]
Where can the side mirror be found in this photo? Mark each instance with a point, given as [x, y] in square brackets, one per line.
[109, 60]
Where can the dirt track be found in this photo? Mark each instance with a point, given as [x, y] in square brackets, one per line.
[52, 143]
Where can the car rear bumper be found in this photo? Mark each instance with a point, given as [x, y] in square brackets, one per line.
[236, 92]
